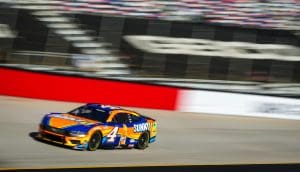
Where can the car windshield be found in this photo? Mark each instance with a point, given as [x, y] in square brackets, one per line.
[90, 113]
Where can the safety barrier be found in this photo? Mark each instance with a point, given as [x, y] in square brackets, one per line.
[238, 104]
[81, 89]
[84, 89]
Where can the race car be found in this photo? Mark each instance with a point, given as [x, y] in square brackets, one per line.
[94, 126]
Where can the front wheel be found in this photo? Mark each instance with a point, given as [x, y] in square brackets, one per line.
[143, 141]
[94, 141]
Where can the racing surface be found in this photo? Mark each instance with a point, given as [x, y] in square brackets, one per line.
[183, 138]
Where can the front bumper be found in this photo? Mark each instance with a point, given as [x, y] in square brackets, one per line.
[74, 142]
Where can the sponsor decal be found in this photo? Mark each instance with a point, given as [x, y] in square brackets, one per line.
[109, 107]
[279, 108]
[141, 127]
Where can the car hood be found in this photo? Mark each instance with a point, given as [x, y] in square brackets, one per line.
[67, 121]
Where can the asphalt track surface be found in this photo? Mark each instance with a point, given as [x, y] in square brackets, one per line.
[183, 138]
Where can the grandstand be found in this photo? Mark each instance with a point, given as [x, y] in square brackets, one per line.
[249, 13]
[90, 35]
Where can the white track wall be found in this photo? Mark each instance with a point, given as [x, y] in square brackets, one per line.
[238, 104]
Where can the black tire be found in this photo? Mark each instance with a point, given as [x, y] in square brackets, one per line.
[94, 142]
[143, 141]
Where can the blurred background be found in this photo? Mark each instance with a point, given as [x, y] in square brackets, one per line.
[247, 46]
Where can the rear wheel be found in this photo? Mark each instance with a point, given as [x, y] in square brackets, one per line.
[95, 141]
[143, 141]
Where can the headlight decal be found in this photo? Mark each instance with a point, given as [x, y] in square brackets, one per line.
[77, 133]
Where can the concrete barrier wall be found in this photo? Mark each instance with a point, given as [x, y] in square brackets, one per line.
[238, 104]
[30, 84]
[79, 89]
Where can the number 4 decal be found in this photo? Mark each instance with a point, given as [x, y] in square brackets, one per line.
[112, 135]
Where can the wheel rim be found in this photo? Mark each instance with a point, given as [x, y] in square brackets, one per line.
[143, 140]
[94, 142]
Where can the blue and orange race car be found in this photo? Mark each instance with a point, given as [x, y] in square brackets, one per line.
[93, 125]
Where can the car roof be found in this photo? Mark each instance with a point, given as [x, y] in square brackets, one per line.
[103, 107]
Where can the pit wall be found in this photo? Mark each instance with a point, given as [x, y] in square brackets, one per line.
[21, 83]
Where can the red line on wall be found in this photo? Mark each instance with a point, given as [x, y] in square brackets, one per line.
[79, 89]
